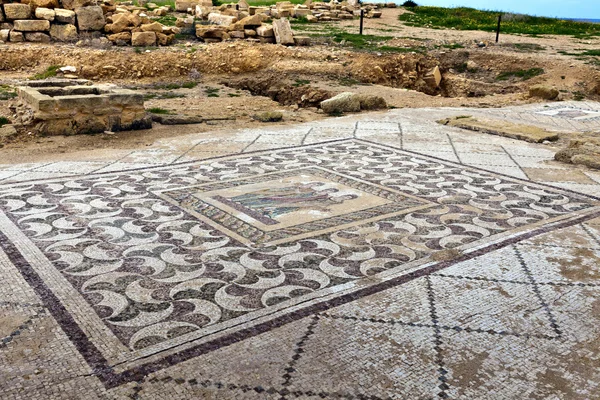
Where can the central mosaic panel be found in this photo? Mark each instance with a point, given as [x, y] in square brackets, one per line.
[282, 207]
[142, 265]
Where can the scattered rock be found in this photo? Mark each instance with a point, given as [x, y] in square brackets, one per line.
[269, 116]
[543, 92]
[342, 103]
[371, 102]
[581, 151]
[176, 119]
[7, 132]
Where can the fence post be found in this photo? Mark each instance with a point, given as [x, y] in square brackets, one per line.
[498, 30]
[362, 16]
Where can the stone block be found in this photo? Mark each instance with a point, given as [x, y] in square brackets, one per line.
[120, 22]
[343, 102]
[63, 33]
[283, 32]
[4, 35]
[164, 39]
[64, 16]
[265, 31]
[219, 19]
[153, 27]
[37, 37]
[143, 39]
[15, 11]
[302, 40]
[120, 37]
[90, 18]
[16, 36]
[45, 13]
[73, 4]
[32, 25]
[35, 4]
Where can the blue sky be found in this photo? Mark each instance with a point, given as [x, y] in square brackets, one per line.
[547, 8]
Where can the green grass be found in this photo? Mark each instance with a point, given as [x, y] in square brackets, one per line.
[7, 93]
[4, 121]
[167, 95]
[528, 47]
[173, 86]
[300, 82]
[524, 74]
[392, 49]
[48, 73]
[359, 42]
[595, 53]
[453, 46]
[158, 110]
[347, 81]
[463, 18]
[211, 92]
[167, 20]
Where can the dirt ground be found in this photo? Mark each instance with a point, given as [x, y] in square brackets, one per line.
[237, 80]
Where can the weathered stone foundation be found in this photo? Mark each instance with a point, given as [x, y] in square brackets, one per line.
[71, 110]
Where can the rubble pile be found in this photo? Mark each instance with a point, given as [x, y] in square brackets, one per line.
[242, 21]
[69, 20]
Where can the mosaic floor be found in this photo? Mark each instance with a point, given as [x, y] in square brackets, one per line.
[373, 257]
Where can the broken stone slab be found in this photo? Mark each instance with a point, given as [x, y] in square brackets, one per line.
[64, 16]
[583, 151]
[528, 133]
[14, 11]
[343, 102]
[153, 27]
[211, 33]
[90, 18]
[433, 78]
[120, 37]
[176, 119]
[63, 33]
[283, 32]
[32, 25]
[220, 19]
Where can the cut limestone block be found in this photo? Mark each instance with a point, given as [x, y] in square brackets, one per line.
[35, 4]
[16, 36]
[38, 37]
[527, 133]
[265, 31]
[283, 32]
[32, 25]
[14, 11]
[4, 34]
[90, 18]
[45, 13]
[63, 33]
[143, 39]
[64, 16]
